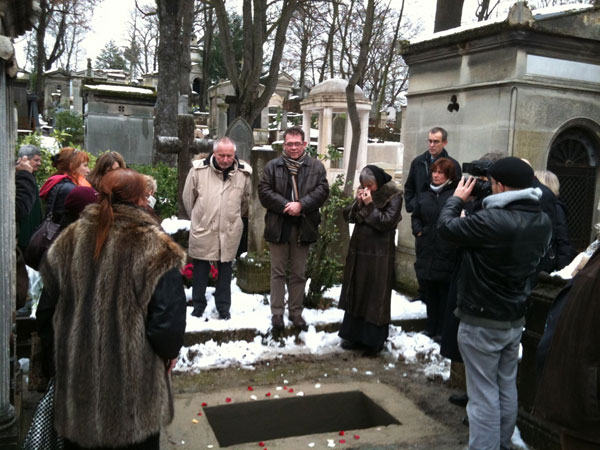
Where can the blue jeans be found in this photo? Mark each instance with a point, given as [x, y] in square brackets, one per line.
[491, 357]
[223, 285]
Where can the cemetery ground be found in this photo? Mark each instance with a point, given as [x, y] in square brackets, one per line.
[238, 363]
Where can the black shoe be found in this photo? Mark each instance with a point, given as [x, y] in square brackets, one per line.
[349, 345]
[198, 312]
[437, 339]
[277, 323]
[459, 399]
[416, 299]
[299, 322]
[465, 421]
[224, 316]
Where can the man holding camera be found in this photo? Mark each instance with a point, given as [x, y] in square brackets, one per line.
[215, 196]
[419, 178]
[502, 245]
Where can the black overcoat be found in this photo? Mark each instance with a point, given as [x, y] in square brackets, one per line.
[369, 271]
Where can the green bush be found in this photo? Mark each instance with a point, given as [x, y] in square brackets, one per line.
[68, 128]
[166, 192]
[323, 266]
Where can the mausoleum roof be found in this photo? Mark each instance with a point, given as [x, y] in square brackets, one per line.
[334, 86]
[578, 21]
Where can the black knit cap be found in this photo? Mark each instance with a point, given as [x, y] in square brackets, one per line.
[381, 177]
[512, 172]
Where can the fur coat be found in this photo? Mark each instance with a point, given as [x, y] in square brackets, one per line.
[369, 270]
[112, 388]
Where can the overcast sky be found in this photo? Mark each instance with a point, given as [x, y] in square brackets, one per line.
[111, 16]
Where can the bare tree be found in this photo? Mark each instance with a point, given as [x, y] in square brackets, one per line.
[357, 74]
[51, 37]
[257, 29]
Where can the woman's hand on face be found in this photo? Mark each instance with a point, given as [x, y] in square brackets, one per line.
[359, 195]
[366, 197]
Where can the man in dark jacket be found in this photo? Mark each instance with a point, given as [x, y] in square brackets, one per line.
[503, 244]
[419, 176]
[29, 222]
[293, 187]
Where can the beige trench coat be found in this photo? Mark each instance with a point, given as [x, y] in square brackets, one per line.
[216, 208]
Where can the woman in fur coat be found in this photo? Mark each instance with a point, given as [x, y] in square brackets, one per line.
[369, 271]
[114, 302]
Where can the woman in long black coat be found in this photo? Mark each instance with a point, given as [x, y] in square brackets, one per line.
[369, 271]
[436, 258]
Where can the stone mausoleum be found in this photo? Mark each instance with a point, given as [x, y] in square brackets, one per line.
[119, 118]
[528, 86]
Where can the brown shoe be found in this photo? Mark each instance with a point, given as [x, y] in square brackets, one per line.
[299, 322]
[277, 322]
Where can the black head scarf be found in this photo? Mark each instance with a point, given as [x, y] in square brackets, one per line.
[381, 177]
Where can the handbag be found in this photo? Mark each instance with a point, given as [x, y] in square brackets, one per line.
[42, 238]
[41, 434]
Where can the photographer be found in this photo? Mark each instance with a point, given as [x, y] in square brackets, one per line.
[502, 245]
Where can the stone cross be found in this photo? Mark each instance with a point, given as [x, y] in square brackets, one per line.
[184, 145]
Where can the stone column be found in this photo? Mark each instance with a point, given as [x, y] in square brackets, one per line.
[306, 116]
[347, 144]
[326, 130]
[8, 245]
[364, 135]
[221, 120]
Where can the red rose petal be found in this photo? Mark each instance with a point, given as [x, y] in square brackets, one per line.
[204, 404]
[250, 388]
[228, 400]
[285, 388]
[290, 390]
[261, 444]
[356, 436]
[342, 441]
[341, 433]
[199, 414]
[268, 394]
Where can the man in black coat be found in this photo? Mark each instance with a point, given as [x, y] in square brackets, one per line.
[419, 176]
[292, 188]
[502, 246]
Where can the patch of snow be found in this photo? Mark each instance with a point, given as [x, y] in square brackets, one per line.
[173, 225]
[124, 88]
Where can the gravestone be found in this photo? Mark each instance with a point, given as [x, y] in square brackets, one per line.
[254, 267]
[184, 145]
[339, 131]
[240, 132]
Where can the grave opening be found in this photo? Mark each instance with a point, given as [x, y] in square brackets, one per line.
[281, 418]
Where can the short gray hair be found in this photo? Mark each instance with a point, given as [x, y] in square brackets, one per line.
[224, 140]
[29, 150]
[367, 176]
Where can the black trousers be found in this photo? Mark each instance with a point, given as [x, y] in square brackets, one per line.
[436, 295]
[152, 443]
[223, 285]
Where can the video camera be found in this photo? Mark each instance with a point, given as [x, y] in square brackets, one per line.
[479, 168]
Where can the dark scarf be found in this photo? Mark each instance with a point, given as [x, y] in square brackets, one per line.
[381, 177]
[293, 165]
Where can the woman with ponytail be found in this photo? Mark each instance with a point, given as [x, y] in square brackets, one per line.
[114, 302]
[71, 171]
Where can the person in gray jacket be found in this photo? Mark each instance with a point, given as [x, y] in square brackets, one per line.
[292, 188]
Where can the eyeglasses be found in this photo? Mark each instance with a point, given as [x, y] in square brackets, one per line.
[293, 144]
[433, 141]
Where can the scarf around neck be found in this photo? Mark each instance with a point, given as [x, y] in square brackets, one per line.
[293, 165]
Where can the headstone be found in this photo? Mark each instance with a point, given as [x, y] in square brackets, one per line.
[254, 268]
[240, 132]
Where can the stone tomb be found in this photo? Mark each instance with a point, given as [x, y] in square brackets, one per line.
[528, 86]
[119, 118]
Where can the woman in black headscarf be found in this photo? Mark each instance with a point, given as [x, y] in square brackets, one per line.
[369, 271]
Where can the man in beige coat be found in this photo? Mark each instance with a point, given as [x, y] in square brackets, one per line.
[215, 197]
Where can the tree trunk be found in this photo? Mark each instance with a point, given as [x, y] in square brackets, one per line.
[350, 97]
[187, 20]
[448, 14]
[169, 53]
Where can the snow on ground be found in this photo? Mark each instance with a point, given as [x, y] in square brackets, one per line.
[253, 311]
